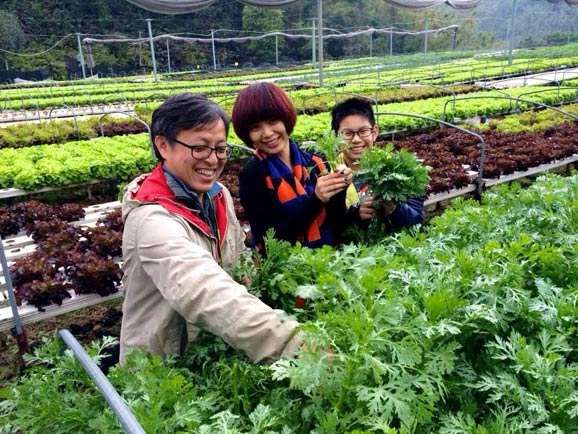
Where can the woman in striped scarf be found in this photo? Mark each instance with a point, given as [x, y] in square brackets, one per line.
[283, 187]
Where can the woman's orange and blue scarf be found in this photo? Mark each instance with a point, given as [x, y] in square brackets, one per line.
[300, 179]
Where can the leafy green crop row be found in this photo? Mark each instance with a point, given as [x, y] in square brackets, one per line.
[312, 127]
[311, 101]
[379, 74]
[462, 70]
[407, 60]
[122, 157]
[223, 77]
[467, 326]
[23, 135]
[75, 162]
[531, 121]
[32, 134]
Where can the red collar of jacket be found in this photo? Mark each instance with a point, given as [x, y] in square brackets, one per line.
[154, 189]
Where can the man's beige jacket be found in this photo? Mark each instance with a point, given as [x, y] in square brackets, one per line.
[174, 284]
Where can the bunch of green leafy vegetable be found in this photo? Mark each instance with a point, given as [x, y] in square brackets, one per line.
[328, 146]
[393, 175]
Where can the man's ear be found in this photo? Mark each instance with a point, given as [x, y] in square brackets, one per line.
[375, 132]
[162, 145]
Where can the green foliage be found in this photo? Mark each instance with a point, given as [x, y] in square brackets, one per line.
[308, 101]
[328, 145]
[17, 136]
[112, 17]
[393, 175]
[11, 33]
[49, 132]
[260, 19]
[466, 326]
[119, 158]
[315, 126]
[531, 121]
[123, 157]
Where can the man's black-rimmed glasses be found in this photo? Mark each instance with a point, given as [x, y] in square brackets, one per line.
[202, 152]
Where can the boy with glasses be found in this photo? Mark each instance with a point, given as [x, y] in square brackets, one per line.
[180, 235]
[353, 120]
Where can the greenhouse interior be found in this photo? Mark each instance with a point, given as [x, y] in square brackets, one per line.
[289, 216]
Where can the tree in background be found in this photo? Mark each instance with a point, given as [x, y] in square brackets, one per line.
[484, 27]
[260, 19]
[11, 35]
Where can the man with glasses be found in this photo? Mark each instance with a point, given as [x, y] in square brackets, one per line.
[354, 121]
[180, 235]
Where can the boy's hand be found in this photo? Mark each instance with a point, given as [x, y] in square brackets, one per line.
[388, 207]
[366, 209]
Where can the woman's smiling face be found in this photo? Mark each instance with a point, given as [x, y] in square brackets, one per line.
[270, 137]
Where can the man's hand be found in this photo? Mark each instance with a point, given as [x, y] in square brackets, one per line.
[331, 184]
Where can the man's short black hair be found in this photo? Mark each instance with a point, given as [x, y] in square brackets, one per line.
[183, 112]
[352, 106]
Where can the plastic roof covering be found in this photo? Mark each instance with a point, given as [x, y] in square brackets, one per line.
[267, 35]
[174, 7]
[421, 4]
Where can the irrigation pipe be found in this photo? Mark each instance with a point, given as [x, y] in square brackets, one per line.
[122, 411]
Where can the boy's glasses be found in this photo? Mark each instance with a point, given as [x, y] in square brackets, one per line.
[363, 133]
[202, 152]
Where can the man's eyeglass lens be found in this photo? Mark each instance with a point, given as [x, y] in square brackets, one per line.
[350, 134]
[202, 152]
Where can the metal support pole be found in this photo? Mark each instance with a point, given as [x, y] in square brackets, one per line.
[140, 50]
[425, 40]
[214, 53]
[320, 35]
[511, 33]
[276, 50]
[454, 39]
[152, 44]
[313, 43]
[569, 31]
[81, 55]
[90, 58]
[122, 411]
[371, 44]
[391, 43]
[19, 333]
[169, 56]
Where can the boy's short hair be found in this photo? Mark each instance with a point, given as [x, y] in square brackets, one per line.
[183, 112]
[352, 106]
[260, 102]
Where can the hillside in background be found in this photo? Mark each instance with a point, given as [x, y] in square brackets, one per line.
[537, 21]
[30, 26]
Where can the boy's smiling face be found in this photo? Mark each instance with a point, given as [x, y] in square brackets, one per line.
[358, 136]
